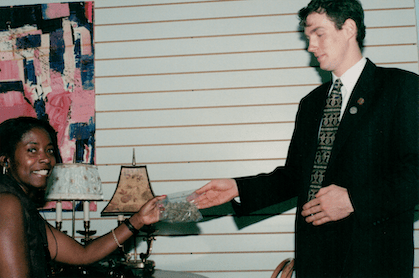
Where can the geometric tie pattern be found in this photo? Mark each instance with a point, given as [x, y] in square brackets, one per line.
[329, 127]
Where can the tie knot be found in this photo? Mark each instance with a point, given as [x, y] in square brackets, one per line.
[337, 85]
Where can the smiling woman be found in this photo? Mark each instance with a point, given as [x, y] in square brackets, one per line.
[34, 158]
[28, 153]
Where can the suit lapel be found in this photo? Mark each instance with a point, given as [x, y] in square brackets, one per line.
[359, 102]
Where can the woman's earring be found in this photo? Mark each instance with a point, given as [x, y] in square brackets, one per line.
[5, 168]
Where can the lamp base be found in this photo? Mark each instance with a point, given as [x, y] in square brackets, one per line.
[87, 233]
[140, 267]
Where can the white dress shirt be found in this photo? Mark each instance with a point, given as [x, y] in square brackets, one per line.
[349, 79]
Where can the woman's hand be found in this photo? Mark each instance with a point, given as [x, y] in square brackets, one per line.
[148, 214]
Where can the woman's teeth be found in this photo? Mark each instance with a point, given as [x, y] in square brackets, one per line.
[41, 172]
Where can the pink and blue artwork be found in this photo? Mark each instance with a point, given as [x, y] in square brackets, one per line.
[47, 71]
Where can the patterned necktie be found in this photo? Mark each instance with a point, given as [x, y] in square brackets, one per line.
[330, 125]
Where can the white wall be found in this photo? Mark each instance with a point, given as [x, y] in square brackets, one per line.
[417, 18]
[209, 89]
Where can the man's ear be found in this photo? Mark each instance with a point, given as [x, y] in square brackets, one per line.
[350, 28]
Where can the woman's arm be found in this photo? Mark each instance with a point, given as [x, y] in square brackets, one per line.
[66, 250]
[14, 261]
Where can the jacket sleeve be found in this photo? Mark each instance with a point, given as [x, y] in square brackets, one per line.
[285, 182]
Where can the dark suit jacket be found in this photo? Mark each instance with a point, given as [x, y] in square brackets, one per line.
[375, 156]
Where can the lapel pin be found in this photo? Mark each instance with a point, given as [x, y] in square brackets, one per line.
[361, 101]
[353, 110]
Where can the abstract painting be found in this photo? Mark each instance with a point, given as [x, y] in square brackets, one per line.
[47, 71]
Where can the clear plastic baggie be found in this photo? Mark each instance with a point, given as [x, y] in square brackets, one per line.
[180, 208]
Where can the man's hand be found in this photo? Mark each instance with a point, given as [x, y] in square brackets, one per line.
[332, 203]
[216, 192]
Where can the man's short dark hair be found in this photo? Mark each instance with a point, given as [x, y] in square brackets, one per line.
[338, 11]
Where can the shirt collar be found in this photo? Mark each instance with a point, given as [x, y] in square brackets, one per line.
[351, 76]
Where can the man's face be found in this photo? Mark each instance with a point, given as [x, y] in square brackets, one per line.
[328, 44]
[34, 159]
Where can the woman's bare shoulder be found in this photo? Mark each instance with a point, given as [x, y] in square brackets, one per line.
[10, 206]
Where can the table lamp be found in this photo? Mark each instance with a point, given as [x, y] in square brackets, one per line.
[75, 182]
[133, 190]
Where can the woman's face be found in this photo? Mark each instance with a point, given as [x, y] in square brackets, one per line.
[34, 160]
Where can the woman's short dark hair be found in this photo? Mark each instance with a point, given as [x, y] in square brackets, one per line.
[13, 130]
[338, 11]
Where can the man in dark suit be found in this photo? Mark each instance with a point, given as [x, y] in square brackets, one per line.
[358, 219]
